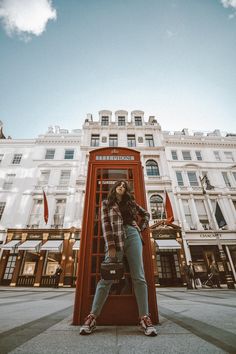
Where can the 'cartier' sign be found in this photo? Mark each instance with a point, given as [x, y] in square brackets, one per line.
[126, 158]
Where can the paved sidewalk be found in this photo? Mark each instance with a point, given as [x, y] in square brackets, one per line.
[196, 321]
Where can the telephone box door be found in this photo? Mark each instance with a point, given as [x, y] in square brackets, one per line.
[106, 166]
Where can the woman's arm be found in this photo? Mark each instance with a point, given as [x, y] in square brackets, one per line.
[107, 230]
[145, 217]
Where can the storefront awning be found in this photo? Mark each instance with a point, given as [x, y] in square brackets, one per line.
[30, 245]
[52, 245]
[76, 245]
[11, 245]
[168, 244]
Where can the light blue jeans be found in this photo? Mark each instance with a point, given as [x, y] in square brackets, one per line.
[133, 252]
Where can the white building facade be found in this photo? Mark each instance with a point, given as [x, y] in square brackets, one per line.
[190, 158]
[56, 162]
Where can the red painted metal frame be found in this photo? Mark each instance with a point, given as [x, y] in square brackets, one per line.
[118, 309]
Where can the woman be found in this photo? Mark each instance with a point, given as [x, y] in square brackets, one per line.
[122, 237]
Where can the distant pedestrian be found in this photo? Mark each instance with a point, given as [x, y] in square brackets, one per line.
[192, 276]
[57, 275]
[186, 275]
[215, 274]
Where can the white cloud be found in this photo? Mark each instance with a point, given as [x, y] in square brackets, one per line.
[26, 17]
[229, 3]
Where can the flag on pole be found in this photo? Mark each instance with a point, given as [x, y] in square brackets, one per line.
[169, 210]
[45, 204]
[219, 216]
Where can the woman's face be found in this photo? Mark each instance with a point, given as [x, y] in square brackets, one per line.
[121, 189]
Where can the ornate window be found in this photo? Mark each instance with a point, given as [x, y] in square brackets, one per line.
[157, 207]
[152, 168]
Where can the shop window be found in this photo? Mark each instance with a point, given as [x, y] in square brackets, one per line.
[11, 262]
[30, 263]
[52, 261]
[152, 168]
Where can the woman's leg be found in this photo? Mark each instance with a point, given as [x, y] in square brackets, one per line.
[134, 253]
[102, 290]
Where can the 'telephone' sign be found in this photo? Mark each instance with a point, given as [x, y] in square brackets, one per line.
[115, 158]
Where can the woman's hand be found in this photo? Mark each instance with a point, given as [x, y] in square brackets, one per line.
[136, 226]
[112, 252]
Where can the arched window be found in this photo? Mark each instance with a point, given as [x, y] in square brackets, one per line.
[152, 168]
[157, 207]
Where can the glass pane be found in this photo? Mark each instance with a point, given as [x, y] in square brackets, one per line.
[93, 285]
[94, 262]
[114, 174]
[95, 245]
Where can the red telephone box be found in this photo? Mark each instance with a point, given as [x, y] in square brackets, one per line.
[107, 165]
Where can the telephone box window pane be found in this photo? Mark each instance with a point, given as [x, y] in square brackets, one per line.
[95, 229]
[97, 198]
[94, 262]
[114, 174]
[93, 285]
[130, 174]
[102, 245]
[95, 244]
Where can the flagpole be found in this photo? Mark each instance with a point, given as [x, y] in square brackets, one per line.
[228, 277]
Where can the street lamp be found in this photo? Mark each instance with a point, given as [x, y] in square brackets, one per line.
[205, 184]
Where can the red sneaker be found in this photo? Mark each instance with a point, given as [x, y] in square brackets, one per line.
[89, 325]
[147, 326]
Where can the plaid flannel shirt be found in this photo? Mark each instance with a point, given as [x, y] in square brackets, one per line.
[112, 224]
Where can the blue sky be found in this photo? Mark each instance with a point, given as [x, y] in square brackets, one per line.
[174, 59]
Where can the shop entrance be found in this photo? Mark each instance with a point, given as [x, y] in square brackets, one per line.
[168, 269]
[106, 166]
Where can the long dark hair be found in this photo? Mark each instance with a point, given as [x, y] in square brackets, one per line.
[127, 198]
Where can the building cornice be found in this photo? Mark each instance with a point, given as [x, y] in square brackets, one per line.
[204, 142]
